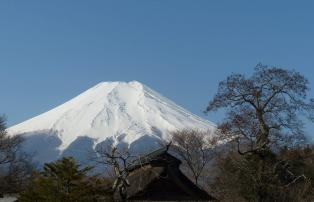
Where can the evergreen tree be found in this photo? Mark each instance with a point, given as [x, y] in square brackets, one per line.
[63, 180]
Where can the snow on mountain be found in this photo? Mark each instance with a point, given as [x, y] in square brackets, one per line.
[118, 113]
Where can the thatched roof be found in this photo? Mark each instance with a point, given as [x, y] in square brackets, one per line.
[142, 177]
[157, 177]
[159, 156]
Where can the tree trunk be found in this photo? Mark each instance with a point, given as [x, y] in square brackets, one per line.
[262, 137]
[122, 194]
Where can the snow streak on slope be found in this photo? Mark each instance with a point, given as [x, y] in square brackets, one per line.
[123, 113]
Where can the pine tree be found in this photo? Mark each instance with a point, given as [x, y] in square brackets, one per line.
[63, 180]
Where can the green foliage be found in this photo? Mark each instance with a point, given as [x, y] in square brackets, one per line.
[63, 180]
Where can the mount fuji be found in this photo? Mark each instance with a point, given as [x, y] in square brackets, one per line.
[119, 113]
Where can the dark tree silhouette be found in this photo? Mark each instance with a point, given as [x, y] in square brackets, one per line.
[14, 165]
[65, 180]
[8, 145]
[263, 109]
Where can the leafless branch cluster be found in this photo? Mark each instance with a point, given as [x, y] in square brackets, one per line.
[15, 166]
[120, 160]
[263, 113]
[194, 148]
[8, 145]
[263, 108]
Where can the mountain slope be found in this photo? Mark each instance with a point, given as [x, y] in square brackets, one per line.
[114, 112]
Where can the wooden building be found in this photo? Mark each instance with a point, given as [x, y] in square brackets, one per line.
[157, 177]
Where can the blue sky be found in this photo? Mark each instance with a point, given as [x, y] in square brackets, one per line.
[50, 51]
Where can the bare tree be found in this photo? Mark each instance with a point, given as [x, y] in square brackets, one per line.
[194, 148]
[263, 108]
[8, 145]
[119, 160]
[17, 174]
[11, 163]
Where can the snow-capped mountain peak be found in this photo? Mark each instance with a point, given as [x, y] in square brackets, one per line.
[122, 112]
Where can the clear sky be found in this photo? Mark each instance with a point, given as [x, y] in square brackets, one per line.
[50, 51]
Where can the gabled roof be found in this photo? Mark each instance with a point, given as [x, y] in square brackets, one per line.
[161, 154]
[156, 176]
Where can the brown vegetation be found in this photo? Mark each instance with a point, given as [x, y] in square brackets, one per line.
[262, 119]
[14, 165]
[193, 147]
